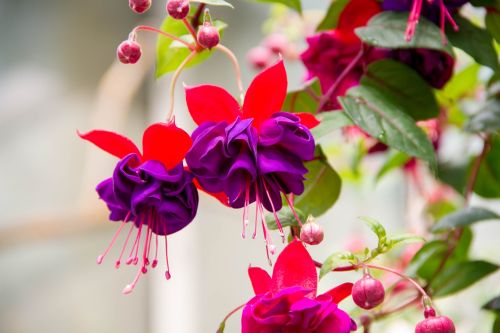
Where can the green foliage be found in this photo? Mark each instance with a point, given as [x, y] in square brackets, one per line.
[215, 3]
[321, 187]
[391, 79]
[475, 41]
[383, 119]
[488, 179]
[492, 22]
[394, 161]
[487, 120]
[329, 122]
[335, 260]
[493, 305]
[286, 217]
[464, 217]
[387, 30]
[332, 15]
[293, 4]
[305, 99]
[170, 54]
[460, 276]
[454, 175]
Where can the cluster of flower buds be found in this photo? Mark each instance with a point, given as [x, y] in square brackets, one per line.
[265, 54]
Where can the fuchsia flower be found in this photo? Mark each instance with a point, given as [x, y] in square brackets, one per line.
[287, 301]
[151, 189]
[250, 153]
[329, 53]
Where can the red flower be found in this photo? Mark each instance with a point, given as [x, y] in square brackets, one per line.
[287, 301]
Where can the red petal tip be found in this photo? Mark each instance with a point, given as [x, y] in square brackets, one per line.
[111, 142]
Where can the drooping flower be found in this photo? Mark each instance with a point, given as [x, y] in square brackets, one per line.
[252, 153]
[152, 190]
[287, 301]
[329, 53]
[438, 11]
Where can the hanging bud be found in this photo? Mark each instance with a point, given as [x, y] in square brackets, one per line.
[311, 233]
[139, 6]
[208, 35]
[178, 9]
[128, 52]
[260, 57]
[368, 292]
[432, 324]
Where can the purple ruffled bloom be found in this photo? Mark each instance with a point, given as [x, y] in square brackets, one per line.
[291, 310]
[165, 201]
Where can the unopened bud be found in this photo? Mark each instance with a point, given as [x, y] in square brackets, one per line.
[439, 324]
[178, 9]
[128, 52]
[139, 6]
[311, 233]
[368, 292]
[208, 35]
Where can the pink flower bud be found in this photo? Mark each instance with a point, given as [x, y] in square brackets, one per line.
[277, 43]
[178, 9]
[208, 35]
[260, 57]
[128, 52]
[368, 292]
[311, 233]
[439, 324]
[139, 6]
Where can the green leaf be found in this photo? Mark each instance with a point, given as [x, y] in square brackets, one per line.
[487, 120]
[405, 239]
[484, 3]
[377, 228]
[493, 305]
[395, 160]
[286, 217]
[402, 85]
[462, 83]
[488, 178]
[215, 3]
[293, 4]
[492, 22]
[454, 175]
[329, 122]
[460, 276]
[170, 54]
[438, 210]
[383, 120]
[321, 187]
[475, 41]
[335, 260]
[305, 99]
[332, 15]
[464, 217]
[387, 30]
[496, 325]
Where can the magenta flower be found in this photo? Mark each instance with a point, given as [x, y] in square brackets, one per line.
[287, 301]
[251, 153]
[152, 190]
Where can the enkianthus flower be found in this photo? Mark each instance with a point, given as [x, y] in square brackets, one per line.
[151, 190]
[252, 153]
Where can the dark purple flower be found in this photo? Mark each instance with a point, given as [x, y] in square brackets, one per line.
[434, 66]
[151, 189]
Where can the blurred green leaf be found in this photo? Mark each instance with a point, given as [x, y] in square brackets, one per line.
[402, 85]
[335, 260]
[293, 4]
[404, 239]
[395, 160]
[377, 228]
[387, 30]
[170, 54]
[332, 15]
[454, 175]
[492, 22]
[286, 217]
[321, 187]
[383, 119]
[215, 3]
[493, 305]
[438, 210]
[460, 276]
[462, 83]
[475, 41]
[487, 120]
[488, 178]
[329, 122]
[305, 99]
[464, 217]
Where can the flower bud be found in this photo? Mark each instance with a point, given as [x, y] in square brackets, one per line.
[439, 324]
[368, 292]
[208, 35]
[311, 233]
[139, 6]
[128, 52]
[178, 9]
[260, 57]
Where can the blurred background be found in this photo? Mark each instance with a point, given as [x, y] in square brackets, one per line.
[58, 74]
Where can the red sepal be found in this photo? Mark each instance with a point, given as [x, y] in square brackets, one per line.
[266, 94]
[211, 103]
[340, 292]
[221, 196]
[308, 120]
[261, 281]
[356, 14]
[165, 143]
[111, 142]
[294, 267]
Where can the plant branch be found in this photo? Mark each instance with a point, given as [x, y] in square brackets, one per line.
[174, 81]
[236, 66]
[166, 34]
